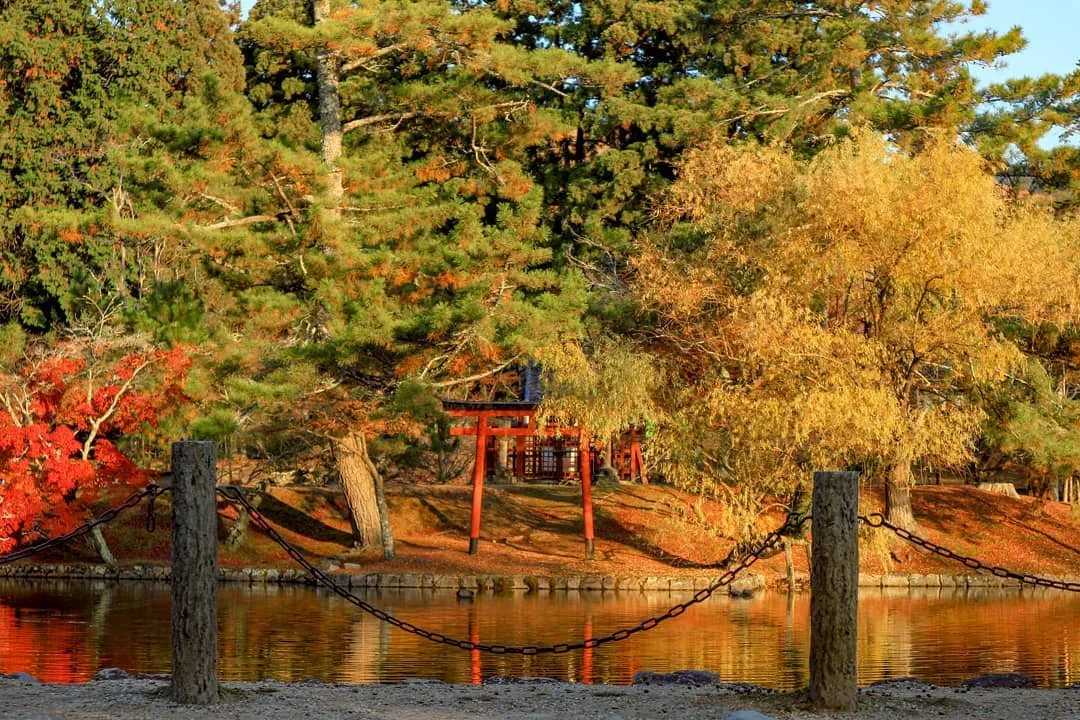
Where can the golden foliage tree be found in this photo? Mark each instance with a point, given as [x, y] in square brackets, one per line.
[842, 310]
[603, 385]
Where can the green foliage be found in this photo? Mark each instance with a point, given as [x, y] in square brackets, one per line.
[1014, 133]
[12, 344]
[164, 174]
[1035, 425]
[435, 263]
[769, 70]
[103, 102]
[171, 314]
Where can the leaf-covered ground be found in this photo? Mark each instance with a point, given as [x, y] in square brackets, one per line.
[641, 530]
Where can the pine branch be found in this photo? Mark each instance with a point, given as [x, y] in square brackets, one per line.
[381, 52]
[375, 119]
[479, 376]
[249, 220]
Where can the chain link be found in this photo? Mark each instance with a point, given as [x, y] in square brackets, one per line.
[770, 541]
[877, 520]
[150, 491]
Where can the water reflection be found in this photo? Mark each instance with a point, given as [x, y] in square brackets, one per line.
[63, 631]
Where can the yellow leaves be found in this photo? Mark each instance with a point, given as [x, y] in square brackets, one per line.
[606, 390]
[835, 310]
[1044, 291]
[719, 182]
[909, 218]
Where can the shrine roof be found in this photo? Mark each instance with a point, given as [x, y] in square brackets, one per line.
[489, 405]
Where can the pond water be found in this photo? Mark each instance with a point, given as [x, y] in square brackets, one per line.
[64, 631]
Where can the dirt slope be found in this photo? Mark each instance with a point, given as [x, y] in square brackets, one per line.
[641, 530]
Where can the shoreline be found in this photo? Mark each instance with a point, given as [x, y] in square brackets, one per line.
[352, 577]
[127, 698]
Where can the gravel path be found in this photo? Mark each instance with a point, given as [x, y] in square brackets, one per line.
[537, 700]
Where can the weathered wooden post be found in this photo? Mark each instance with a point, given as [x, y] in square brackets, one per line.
[834, 586]
[194, 574]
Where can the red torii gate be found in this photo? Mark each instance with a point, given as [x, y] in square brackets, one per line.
[484, 412]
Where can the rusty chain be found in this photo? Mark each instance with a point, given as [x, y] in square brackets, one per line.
[150, 491]
[877, 520]
[771, 540]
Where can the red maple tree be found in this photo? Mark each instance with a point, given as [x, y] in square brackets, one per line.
[62, 418]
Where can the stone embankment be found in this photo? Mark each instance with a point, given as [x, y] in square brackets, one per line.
[352, 576]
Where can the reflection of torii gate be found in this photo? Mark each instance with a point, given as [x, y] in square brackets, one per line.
[484, 413]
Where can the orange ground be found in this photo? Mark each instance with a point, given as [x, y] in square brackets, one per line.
[641, 530]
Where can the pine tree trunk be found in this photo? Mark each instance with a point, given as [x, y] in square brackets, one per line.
[101, 547]
[364, 493]
[504, 453]
[328, 80]
[238, 532]
[789, 565]
[898, 484]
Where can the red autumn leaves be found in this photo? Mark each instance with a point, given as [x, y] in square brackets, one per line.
[62, 419]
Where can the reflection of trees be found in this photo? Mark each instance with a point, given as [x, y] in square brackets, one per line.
[885, 634]
[281, 632]
[41, 631]
[65, 631]
[953, 634]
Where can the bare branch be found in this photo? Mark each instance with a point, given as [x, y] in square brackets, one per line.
[95, 425]
[479, 376]
[358, 63]
[249, 220]
[552, 88]
[375, 119]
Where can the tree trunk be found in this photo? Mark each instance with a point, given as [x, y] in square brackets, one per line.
[607, 466]
[364, 493]
[101, 547]
[789, 564]
[898, 484]
[504, 453]
[238, 531]
[328, 79]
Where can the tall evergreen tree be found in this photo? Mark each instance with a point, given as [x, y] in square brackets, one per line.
[115, 123]
[1017, 133]
[88, 90]
[417, 256]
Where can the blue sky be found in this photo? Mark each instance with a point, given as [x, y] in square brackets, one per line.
[1050, 27]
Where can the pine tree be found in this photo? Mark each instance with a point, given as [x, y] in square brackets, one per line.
[90, 91]
[803, 72]
[1016, 134]
[417, 254]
